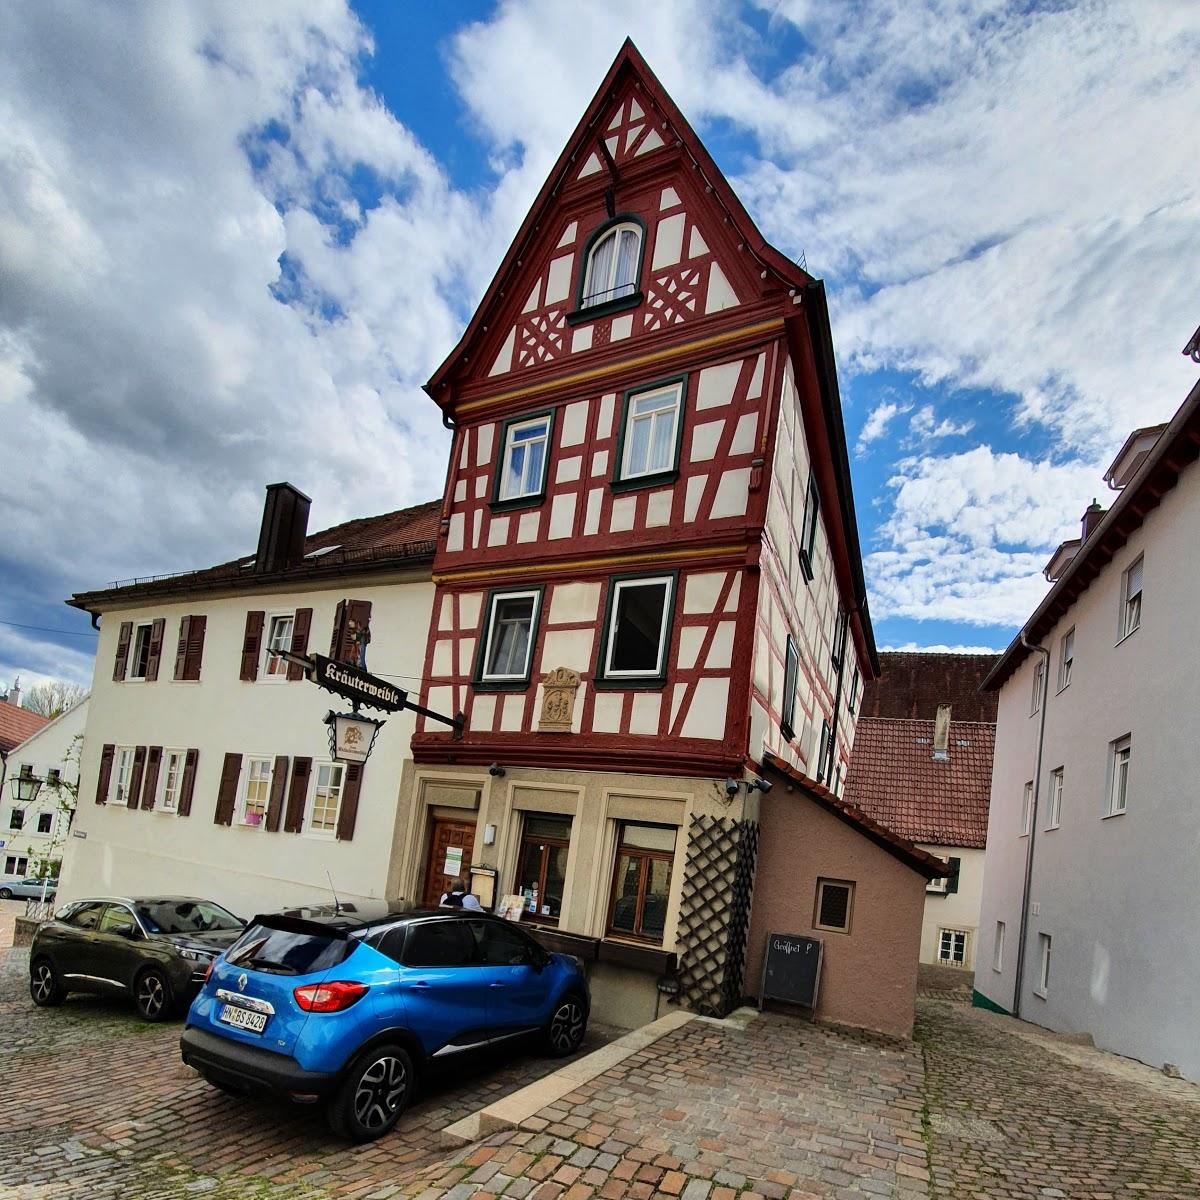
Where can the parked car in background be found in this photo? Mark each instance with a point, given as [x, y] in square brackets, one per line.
[26, 887]
[347, 1003]
[156, 949]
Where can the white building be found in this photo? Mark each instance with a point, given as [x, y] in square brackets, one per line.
[1100, 811]
[206, 766]
[33, 833]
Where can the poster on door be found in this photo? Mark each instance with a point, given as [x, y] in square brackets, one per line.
[454, 860]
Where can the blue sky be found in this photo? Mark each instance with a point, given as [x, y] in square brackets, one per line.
[278, 225]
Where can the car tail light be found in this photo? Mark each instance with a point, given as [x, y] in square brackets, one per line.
[208, 973]
[329, 997]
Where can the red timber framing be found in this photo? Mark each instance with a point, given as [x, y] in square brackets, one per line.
[709, 312]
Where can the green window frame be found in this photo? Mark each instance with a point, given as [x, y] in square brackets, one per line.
[490, 681]
[608, 677]
[791, 677]
[590, 312]
[501, 503]
[623, 478]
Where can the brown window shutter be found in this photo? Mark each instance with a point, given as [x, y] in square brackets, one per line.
[157, 629]
[102, 780]
[293, 820]
[135, 777]
[251, 644]
[150, 783]
[188, 783]
[339, 630]
[300, 627]
[348, 809]
[278, 785]
[181, 648]
[227, 793]
[123, 638]
[195, 647]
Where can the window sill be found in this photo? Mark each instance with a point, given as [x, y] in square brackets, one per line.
[519, 502]
[1126, 636]
[594, 312]
[641, 956]
[1039, 993]
[830, 929]
[638, 482]
[1062, 689]
[500, 685]
[1109, 815]
[1051, 828]
[630, 685]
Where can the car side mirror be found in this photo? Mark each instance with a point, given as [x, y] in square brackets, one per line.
[126, 930]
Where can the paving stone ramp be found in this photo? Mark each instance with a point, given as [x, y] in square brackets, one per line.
[979, 1107]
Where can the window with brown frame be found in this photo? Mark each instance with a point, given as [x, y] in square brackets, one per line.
[835, 900]
[542, 867]
[642, 881]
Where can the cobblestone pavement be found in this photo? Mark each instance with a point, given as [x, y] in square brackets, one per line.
[98, 1105]
[1016, 1112]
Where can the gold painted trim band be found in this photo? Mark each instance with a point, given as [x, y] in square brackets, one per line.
[642, 360]
[611, 560]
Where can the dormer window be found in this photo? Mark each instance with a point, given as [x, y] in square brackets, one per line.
[612, 269]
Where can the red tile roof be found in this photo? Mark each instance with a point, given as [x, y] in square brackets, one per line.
[913, 683]
[17, 724]
[894, 779]
[405, 537]
[888, 839]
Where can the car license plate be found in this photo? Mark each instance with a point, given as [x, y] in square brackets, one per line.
[243, 1018]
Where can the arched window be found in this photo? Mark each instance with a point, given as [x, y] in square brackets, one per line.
[613, 265]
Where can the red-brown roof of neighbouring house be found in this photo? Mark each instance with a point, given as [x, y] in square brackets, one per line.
[405, 537]
[913, 684]
[894, 779]
[888, 839]
[17, 724]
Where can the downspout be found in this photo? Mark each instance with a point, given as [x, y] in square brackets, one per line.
[1037, 784]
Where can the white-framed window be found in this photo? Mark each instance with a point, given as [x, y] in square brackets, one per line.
[1118, 775]
[998, 948]
[808, 529]
[855, 682]
[279, 637]
[1066, 658]
[834, 905]
[139, 651]
[322, 813]
[118, 788]
[523, 458]
[170, 780]
[1054, 800]
[1027, 809]
[16, 864]
[651, 435]
[1131, 598]
[639, 627]
[1043, 983]
[509, 636]
[823, 748]
[939, 887]
[952, 947]
[256, 791]
[45, 823]
[1039, 680]
[839, 637]
[612, 265]
[791, 673]
[16, 820]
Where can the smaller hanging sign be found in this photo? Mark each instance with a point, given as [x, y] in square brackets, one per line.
[351, 737]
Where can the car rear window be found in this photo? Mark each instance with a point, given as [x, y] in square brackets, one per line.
[288, 952]
[185, 916]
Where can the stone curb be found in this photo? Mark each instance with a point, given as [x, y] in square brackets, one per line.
[509, 1112]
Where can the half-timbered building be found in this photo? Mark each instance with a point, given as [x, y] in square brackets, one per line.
[648, 579]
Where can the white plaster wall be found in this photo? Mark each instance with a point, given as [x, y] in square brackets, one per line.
[1119, 896]
[57, 745]
[958, 910]
[247, 868]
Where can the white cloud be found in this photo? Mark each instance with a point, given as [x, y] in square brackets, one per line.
[36, 660]
[876, 424]
[910, 647]
[925, 427]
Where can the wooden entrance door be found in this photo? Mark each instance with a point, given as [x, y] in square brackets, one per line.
[445, 838]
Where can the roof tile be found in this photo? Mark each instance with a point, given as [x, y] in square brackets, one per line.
[17, 724]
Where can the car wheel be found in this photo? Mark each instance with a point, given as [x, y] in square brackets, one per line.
[44, 984]
[567, 1025]
[5, 893]
[152, 995]
[373, 1094]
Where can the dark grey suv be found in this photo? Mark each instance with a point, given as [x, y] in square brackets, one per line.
[156, 949]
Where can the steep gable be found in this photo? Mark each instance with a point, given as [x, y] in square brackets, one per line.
[633, 160]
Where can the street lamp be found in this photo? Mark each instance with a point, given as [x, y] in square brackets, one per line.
[26, 785]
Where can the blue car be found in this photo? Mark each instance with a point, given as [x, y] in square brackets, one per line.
[345, 1004]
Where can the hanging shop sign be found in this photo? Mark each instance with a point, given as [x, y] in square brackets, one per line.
[357, 685]
[351, 737]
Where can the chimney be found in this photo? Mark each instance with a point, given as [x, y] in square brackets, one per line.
[1092, 517]
[284, 527]
[941, 734]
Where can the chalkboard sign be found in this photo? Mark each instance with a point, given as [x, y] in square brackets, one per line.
[792, 969]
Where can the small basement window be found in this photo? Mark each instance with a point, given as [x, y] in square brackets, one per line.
[835, 901]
